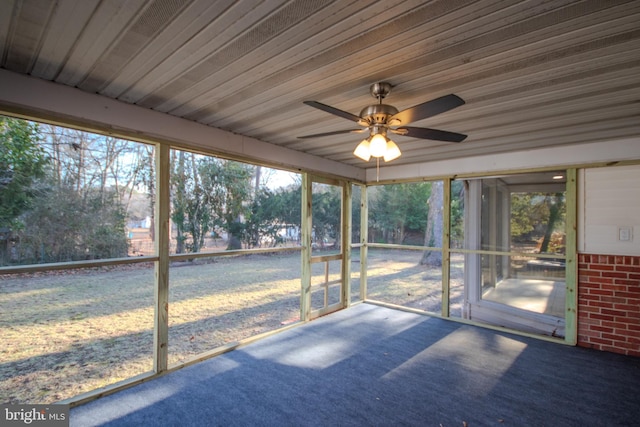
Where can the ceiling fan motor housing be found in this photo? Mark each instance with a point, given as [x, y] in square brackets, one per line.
[377, 114]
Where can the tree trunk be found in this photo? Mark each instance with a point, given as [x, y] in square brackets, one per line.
[180, 203]
[554, 213]
[234, 231]
[151, 184]
[257, 181]
[433, 234]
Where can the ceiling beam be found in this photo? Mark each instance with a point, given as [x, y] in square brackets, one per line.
[54, 103]
[595, 153]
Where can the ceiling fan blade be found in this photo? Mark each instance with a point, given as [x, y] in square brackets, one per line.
[428, 109]
[337, 132]
[433, 134]
[333, 110]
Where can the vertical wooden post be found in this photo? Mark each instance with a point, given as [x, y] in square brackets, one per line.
[493, 232]
[305, 291]
[571, 269]
[346, 243]
[446, 236]
[162, 239]
[364, 237]
[326, 284]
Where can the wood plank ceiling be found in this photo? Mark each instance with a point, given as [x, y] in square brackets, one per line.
[532, 73]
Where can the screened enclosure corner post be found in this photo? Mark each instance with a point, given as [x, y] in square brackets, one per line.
[364, 238]
[161, 288]
[346, 243]
[472, 237]
[571, 272]
[446, 236]
[305, 233]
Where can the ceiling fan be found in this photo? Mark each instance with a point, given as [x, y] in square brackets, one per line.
[380, 119]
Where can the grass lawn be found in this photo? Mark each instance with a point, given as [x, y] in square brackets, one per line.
[65, 333]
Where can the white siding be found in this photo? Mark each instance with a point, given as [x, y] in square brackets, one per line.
[610, 198]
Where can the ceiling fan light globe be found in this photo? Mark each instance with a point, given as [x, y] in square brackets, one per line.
[362, 150]
[393, 152]
[378, 145]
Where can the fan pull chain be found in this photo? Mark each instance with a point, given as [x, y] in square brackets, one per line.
[377, 169]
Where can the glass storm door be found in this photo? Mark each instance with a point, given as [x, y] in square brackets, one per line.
[515, 261]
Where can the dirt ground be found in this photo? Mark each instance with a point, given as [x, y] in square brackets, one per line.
[65, 333]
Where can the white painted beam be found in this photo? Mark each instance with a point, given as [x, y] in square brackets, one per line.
[59, 104]
[568, 155]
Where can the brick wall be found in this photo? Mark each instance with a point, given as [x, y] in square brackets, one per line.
[609, 303]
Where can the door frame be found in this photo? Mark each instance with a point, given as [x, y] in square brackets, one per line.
[475, 308]
[307, 258]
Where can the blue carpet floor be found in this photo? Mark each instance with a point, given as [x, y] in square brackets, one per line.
[375, 366]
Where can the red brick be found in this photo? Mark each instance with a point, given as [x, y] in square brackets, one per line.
[615, 338]
[615, 300]
[601, 317]
[596, 340]
[614, 286]
[628, 294]
[614, 275]
[626, 307]
[587, 344]
[612, 349]
[609, 284]
[628, 345]
[604, 330]
[600, 303]
[601, 280]
[593, 307]
[614, 312]
[601, 292]
[591, 334]
[628, 268]
[588, 323]
[634, 340]
[627, 283]
[590, 273]
[590, 344]
[617, 325]
[583, 298]
[620, 332]
[635, 314]
[588, 285]
[601, 267]
[632, 324]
